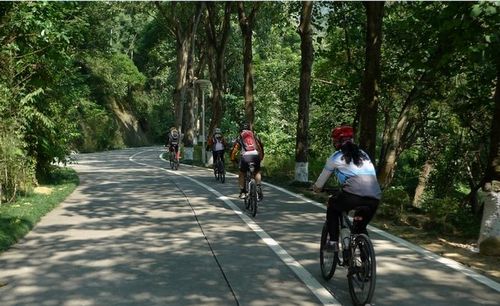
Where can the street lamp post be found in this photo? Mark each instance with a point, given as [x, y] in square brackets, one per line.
[204, 85]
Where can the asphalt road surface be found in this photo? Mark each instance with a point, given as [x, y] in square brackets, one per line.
[136, 233]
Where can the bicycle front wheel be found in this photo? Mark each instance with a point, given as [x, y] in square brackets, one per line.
[362, 270]
[326, 257]
[172, 161]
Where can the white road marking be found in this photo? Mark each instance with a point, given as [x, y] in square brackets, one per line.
[427, 254]
[316, 288]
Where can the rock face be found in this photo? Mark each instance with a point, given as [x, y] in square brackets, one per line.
[130, 129]
[489, 236]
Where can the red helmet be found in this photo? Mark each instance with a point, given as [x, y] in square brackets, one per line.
[341, 133]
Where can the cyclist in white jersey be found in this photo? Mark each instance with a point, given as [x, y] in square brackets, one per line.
[360, 190]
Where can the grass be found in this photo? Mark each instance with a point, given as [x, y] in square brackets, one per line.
[19, 217]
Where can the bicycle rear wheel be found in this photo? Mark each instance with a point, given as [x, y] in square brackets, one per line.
[362, 270]
[252, 192]
[222, 172]
[327, 259]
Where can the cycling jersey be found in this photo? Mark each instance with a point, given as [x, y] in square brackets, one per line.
[358, 180]
[248, 144]
[216, 143]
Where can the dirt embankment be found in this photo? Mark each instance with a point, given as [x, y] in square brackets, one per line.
[131, 130]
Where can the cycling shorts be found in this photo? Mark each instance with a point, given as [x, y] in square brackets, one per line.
[245, 160]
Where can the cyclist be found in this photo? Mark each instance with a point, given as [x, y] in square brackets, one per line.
[172, 141]
[217, 143]
[360, 190]
[251, 151]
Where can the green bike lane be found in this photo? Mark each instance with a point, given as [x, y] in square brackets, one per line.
[135, 233]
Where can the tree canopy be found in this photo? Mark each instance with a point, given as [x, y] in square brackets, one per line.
[418, 80]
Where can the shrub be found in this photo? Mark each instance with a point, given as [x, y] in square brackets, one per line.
[394, 201]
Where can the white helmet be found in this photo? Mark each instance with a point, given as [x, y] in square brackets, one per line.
[217, 131]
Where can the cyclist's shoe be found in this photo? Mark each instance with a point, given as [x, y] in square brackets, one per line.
[243, 193]
[260, 196]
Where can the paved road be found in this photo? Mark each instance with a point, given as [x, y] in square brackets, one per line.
[135, 233]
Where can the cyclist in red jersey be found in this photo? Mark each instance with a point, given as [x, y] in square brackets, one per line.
[251, 151]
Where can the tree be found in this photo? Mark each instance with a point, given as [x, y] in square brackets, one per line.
[307, 50]
[247, 23]
[368, 109]
[182, 21]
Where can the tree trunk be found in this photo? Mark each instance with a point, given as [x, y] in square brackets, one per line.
[398, 137]
[489, 238]
[306, 47]
[218, 43]
[180, 84]
[422, 183]
[370, 89]
[493, 168]
[184, 36]
[246, 26]
[190, 101]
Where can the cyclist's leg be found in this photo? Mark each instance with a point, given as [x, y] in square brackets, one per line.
[363, 214]
[170, 150]
[214, 158]
[241, 176]
[258, 177]
[176, 149]
[219, 155]
[333, 216]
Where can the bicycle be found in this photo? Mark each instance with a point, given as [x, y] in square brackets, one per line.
[358, 256]
[174, 160]
[219, 169]
[251, 187]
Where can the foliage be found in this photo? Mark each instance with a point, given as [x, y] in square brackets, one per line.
[394, 202]
[17, 170]
[19, 217]
[65, 67]
[448, 215]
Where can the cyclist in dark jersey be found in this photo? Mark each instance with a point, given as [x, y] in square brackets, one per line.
[172, 141]
[360, 190]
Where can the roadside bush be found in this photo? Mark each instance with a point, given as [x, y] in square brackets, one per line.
[394, 201]
[447, 215]
[439, 209]
[16, 168]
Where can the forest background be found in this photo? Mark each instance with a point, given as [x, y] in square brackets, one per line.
[418, 80]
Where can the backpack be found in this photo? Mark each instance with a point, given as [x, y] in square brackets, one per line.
[248, 142]
[174, 136]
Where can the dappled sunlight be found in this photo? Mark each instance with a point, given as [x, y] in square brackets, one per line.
[130, 236]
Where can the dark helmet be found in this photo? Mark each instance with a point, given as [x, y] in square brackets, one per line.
[245, 126]
[342, 134]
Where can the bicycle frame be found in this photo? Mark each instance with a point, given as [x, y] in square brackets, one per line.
[358, 257]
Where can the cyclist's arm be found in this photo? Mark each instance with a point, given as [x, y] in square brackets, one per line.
[261, 148]
[235, 150]
[324, 176]
[321, 181]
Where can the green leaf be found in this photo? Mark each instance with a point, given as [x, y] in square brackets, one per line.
[476, 10]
